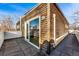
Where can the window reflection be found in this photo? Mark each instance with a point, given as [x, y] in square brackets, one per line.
[34, 31]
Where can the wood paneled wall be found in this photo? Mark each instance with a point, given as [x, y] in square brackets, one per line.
[47, 24]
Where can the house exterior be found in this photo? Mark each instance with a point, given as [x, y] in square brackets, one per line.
[18, 26]
[45, 22]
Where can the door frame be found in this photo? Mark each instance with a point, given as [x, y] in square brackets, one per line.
[26, 30]
[27, 22]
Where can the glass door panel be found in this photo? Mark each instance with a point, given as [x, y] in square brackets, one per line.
[34, 31]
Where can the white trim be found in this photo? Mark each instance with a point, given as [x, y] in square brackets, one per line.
[33, 18]
[48, 20]
[25, 30]
[59, 39]
[20, 23]
[54, 17]
[61, 36]
[32, 44]
[40, 41]
[28, 40]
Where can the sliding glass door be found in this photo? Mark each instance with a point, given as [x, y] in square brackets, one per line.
[32, 31]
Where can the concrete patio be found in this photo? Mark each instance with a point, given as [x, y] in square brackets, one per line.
[68, 47]
[17, 47]
[9, 35]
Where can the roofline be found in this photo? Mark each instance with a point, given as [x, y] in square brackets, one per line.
[34, 7]
[61, 12]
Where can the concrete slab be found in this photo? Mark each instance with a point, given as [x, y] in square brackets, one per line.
[17, 47]
[68, 47]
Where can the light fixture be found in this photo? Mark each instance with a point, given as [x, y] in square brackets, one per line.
[43, 17]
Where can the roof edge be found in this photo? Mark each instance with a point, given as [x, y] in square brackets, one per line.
[61, 12]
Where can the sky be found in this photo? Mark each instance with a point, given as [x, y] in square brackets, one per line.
[15, 10]
[68, 10]
[19, 9]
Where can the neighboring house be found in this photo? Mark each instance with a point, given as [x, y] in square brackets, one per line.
[18, 26]
[44, 22]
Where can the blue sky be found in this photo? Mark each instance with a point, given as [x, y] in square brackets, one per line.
[68, 10]
[15, 10]
[18, 9]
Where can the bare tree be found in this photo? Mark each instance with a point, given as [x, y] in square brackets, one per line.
[7, 24]
[75, 17]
